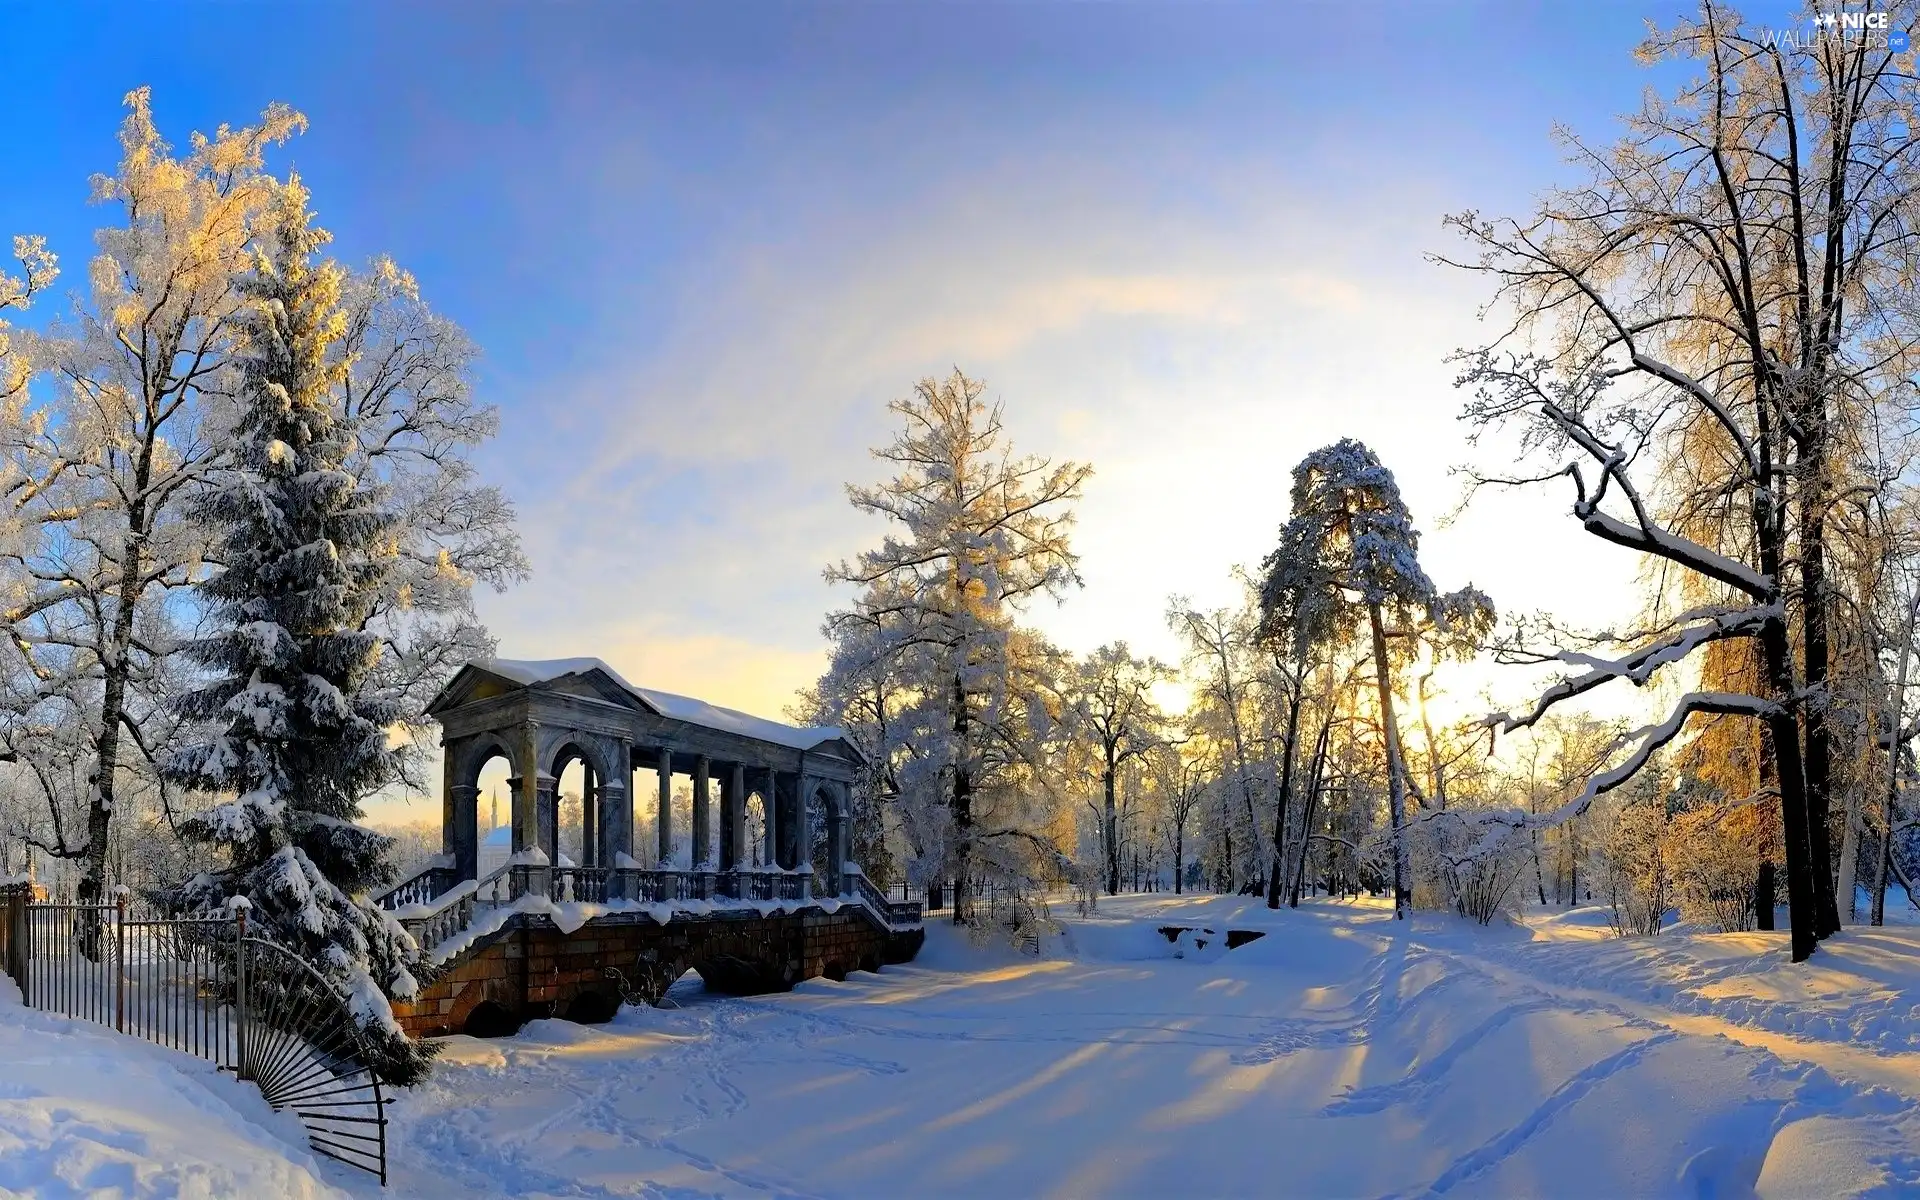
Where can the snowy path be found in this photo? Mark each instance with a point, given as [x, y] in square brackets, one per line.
[1338, 1056]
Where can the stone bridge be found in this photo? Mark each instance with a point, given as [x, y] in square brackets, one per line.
[752, 905]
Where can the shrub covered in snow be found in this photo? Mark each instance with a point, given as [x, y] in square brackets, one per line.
[1639, 885]
[1714, 865]
[1476, 865]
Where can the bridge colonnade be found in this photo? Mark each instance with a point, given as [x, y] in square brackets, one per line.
[542, 719]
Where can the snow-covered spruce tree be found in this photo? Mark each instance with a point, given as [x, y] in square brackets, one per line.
[298, 740]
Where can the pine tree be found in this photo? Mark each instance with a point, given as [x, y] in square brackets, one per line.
[304, 549]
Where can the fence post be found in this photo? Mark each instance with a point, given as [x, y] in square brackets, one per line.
[120, 958]
[15, 966]
[241, 1068]
[24, 913]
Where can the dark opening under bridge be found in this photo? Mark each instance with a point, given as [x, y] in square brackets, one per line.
[753, 905]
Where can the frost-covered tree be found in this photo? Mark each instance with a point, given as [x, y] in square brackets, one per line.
[299, 736]
[1113, 713]
[101, 461]
[406, 395]
[1351, 529]
[38, 269]
[1219, 647]
[1301, 615]
[975, 533]
[110, 455]
[1735, 275]
[1179, 777]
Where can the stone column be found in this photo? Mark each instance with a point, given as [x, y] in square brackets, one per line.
[770, 811]
[525, 789]
[664, 822]
[616, 825]
[526, 830]
[842, 841]
[459, 813]
[589, 818]
[733, 818]
[621, 802]
[547, 814]
[803, 826]
[463, 815]
[702, 814]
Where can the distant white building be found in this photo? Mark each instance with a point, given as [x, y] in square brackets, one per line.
[495, 849]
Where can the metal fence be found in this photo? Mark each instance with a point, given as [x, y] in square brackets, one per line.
[204, 986]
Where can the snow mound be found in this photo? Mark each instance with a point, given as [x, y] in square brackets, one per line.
[85, 1111]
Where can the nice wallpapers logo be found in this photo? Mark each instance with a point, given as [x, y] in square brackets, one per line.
[1871, 26]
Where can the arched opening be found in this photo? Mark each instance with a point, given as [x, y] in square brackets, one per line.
[570, 791]
[822, 819]
[753, 854]
[827, 820]
[577, 839]
[592, 1008]
[493, 798]
[491, 1019]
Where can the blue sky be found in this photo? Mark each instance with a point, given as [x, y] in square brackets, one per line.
[702, 246]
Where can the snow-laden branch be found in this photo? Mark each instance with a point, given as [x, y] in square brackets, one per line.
[1644, 533]
[1639, 666]
[1499, 823]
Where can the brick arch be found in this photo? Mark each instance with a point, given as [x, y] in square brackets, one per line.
[472, 993]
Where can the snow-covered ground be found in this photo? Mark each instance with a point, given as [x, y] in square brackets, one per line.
[1341, 1055]
[88, 1112]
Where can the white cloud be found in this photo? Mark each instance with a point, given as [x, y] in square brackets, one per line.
[1191, 353]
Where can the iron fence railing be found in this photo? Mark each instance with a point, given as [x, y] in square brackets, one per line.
[897, 914]
[201, 985]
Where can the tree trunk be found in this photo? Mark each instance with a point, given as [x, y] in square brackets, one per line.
[1179, 865]
[962, 810]
[1396, 787]
[1897, 711]
[1818, 764]
[1763, 888]
[1276, 878]
[1849, 854]
[1110, 830]
[1802, 898]
[1314, 783]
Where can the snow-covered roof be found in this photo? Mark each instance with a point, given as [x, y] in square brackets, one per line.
[678, 708]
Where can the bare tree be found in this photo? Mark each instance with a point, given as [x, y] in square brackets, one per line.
[1734, 268]
[1112, 707]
